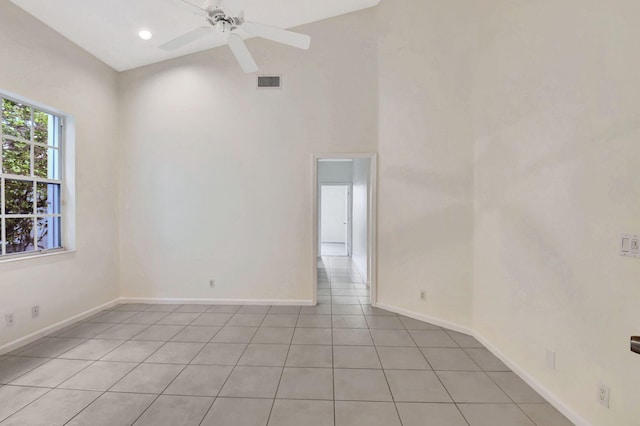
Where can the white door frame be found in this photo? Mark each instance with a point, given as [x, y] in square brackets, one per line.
[349, 229]
[373, 219]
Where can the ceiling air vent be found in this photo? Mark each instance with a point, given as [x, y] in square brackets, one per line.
[269, 82]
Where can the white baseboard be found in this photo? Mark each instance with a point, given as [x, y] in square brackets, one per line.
[426, 318]
[367, 281]
[193, 301]
[53, 328]
[531, 381]
[60, 325]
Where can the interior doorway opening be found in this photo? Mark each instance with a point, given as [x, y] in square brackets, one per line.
[344, 243]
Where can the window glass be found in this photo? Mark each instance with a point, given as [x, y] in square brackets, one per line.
[30, 179]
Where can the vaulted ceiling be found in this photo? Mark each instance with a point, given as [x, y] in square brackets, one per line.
[108, 29]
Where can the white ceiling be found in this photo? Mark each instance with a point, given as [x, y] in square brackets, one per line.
[108, 29]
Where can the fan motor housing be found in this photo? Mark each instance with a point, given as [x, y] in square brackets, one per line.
[214, 17]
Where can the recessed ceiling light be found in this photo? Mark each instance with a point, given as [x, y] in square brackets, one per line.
[145, 35]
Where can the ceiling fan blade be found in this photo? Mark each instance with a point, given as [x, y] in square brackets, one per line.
[192, 5]
[301, 41]
[185, 39]
[242, 54]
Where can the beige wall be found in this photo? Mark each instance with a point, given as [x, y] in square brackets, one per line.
[557, 135]
[41, 65]
[216, 176]
[426, 158]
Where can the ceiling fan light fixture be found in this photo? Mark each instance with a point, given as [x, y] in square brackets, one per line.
[145, 35]
[222, 27]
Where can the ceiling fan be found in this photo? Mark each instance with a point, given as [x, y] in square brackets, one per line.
[225, 17]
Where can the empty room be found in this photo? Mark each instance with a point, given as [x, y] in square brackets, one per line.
[320, 213]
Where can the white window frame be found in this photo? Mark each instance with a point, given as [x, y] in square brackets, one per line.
[66, 180]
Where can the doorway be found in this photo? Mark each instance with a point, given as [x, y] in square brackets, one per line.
[344, 229]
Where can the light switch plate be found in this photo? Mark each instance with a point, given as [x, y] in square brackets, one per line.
[629, 245]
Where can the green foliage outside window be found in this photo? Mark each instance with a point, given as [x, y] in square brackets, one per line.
[22, 126]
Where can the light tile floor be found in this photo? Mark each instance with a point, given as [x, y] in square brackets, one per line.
[333, 249]
[341, 363]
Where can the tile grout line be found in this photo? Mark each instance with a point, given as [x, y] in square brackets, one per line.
[57, 387]
[509, 396]
[26, 405]
[335, 402]
[491, 379]
[436, 375]
[393, 398]
[118, 381]
[282, 373]
[124, 342]
[232, 367]
[176, 376]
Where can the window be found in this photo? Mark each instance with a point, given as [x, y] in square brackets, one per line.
[30, 179]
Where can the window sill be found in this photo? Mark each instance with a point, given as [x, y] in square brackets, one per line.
[20, 258]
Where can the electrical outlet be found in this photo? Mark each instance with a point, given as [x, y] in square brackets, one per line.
[9, 319]
[603, 394]
[212, 283]
[35, 311]
[423, 295]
